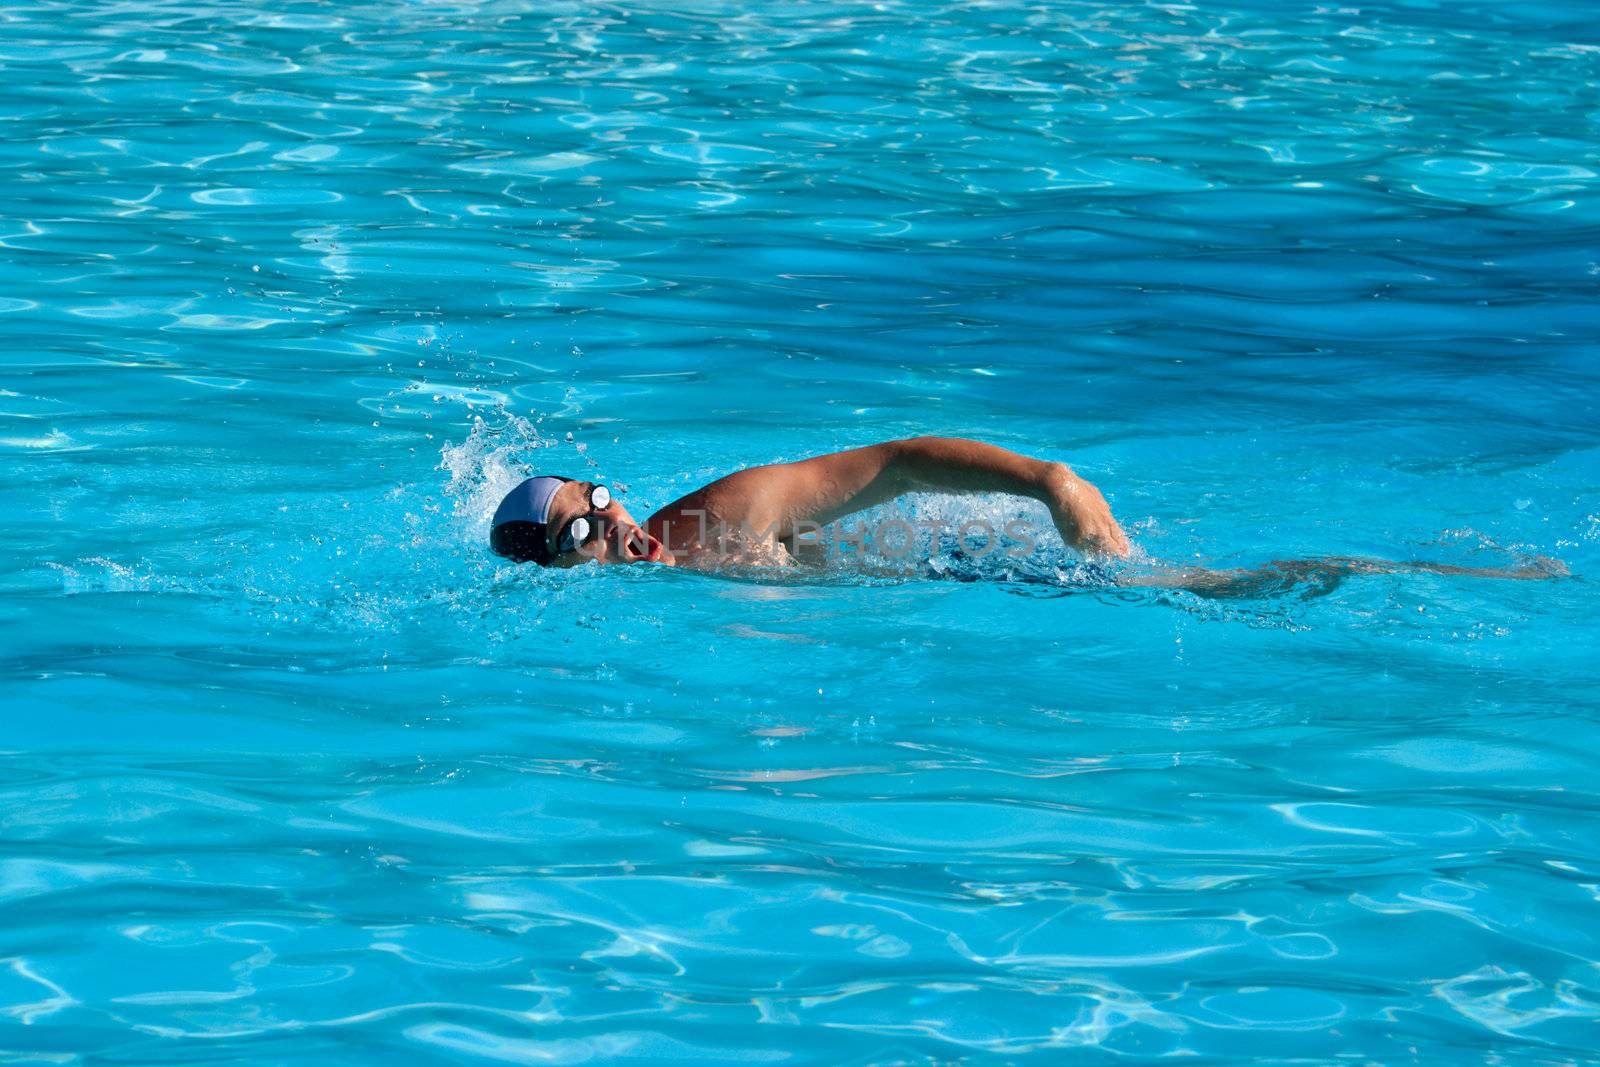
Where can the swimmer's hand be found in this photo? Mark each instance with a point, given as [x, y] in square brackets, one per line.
[1082, 515]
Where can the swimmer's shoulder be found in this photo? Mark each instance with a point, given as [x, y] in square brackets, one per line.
[736, 503]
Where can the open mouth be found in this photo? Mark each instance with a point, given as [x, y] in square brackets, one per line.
[641, 546]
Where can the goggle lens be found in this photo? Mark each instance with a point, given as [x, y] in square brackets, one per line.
[578, 529]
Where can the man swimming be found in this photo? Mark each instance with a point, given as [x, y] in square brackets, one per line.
[765, 511]
[764, 515]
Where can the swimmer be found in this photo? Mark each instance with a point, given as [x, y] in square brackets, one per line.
[557, 522]
[769, 510]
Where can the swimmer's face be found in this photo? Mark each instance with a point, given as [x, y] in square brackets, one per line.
[614, 538]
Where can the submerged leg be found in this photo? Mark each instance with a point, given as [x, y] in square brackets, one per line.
[1322, 574]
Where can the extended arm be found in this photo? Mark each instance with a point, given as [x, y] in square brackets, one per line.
[830, 487]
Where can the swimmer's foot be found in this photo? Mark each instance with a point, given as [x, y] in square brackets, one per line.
[1541, 567]
[1530, 568]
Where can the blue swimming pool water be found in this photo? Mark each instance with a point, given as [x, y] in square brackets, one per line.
[291, 771]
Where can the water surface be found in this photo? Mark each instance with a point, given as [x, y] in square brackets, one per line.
[292, 770]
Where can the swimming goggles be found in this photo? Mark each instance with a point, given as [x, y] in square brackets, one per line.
[578, 531]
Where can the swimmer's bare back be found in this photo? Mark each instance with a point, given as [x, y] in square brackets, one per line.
[766, 507]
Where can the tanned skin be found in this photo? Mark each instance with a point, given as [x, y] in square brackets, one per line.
[773, 502]
[767, 507]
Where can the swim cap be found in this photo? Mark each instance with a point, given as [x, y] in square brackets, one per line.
[518, 529]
